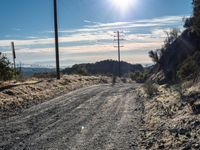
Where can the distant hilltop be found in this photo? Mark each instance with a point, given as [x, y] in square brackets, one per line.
[105, 67]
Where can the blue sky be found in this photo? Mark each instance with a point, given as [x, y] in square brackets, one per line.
[87, 28]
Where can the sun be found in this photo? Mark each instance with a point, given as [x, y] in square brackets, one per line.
[123, 5]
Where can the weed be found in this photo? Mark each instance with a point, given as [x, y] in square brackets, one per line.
[114, 78]
[150, 88]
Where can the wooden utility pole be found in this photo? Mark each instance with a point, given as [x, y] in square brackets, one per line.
[118, 41]
[14, 56]
[56, 40]
[119, 47]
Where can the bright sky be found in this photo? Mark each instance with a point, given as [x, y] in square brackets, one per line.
[87, 28]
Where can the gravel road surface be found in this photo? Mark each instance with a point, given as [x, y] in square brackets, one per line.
[93, 118]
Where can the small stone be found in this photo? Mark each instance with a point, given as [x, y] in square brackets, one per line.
[195, 136]
[196, 123]
[174, 130]
[176, 135]
[197, 146]
[130, 131]
[187, 147]
[17, 138]
[188, 135]
[21, 144]
[162, 146]
[183, 131]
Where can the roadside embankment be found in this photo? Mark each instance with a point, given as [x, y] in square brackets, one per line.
[172, 118]
[17, 95]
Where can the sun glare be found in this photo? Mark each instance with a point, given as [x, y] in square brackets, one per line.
[123, 5]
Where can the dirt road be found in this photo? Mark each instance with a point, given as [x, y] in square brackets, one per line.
[93, 118]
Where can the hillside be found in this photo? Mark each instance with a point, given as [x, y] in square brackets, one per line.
[176, 53]
[106, 67]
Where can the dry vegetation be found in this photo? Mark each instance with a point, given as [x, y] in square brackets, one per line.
[17, 95]
[170, 120]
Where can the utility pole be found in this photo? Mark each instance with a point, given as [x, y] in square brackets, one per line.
[119, 47]
[14, 56]
[56, 40]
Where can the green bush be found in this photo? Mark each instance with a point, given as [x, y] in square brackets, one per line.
[139, 77]
[114, 79]
[190, 68]
[45, 75]
[6, 72]
[80, 70]
[150, 88]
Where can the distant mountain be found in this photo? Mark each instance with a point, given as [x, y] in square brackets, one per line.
[30, 71]
[106, 67]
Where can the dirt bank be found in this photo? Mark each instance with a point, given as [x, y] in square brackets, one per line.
[17, 95]
[170, 121]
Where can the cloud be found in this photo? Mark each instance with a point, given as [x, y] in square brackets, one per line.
[97, 38]
[16, 29]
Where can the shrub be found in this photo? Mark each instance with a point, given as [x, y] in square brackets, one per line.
[80, 70]
[190, 68]
[45, 75]
[139, 77]
[6, 72]
[150, 88]
[114, 79]
[124, 80]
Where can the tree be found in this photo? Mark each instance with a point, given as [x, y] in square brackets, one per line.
[172, 35]
[196, 16]
[193, 22]
[6, 72]
[154, 56]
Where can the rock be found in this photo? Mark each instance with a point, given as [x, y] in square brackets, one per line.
[17, 138]
[197, 146]
[162, 146]
[21, 144]
[195, 136]
[187, 147]
[188, 135]
[174, 130]
[195, 123]
[183, 131]
[149, 145]
[130, 131]
[132, 145]
[8, 92]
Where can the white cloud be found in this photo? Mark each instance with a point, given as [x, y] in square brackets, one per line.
[98, 37]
